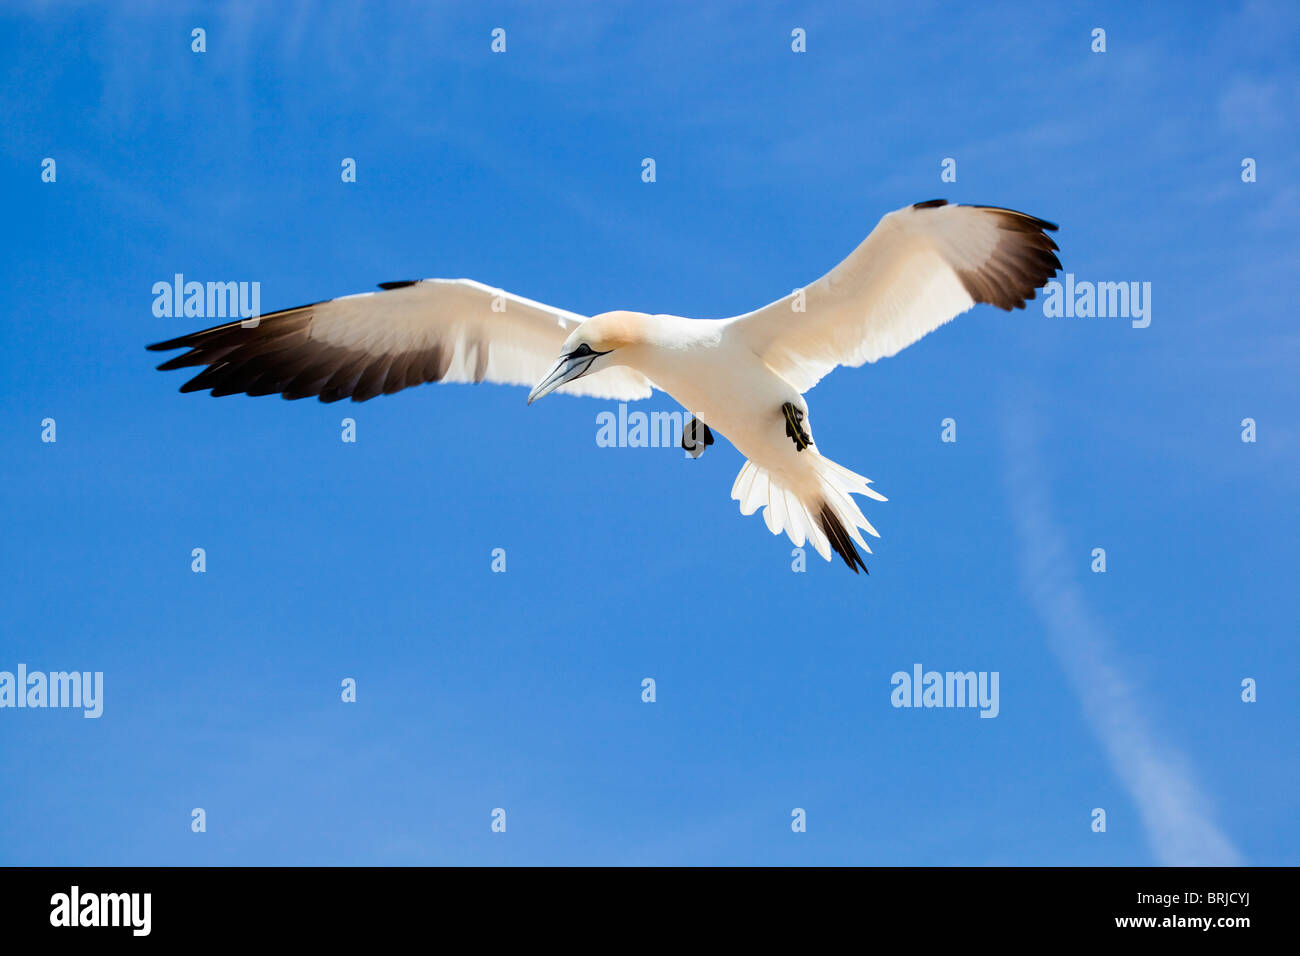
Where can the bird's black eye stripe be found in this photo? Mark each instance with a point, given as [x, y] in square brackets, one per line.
[586, 351]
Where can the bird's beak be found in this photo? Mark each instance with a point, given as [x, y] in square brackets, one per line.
[566, 370]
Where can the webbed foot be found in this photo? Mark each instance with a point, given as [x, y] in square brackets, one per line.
[696, 437]
[794, 429]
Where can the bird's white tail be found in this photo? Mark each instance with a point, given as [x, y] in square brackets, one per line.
[816, 507]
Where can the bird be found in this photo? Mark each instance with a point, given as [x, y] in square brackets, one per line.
[744, 376]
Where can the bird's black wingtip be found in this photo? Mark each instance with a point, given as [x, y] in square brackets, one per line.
[1043, 224]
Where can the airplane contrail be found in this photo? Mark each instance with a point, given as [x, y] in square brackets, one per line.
[1174, 812]
[745, 376]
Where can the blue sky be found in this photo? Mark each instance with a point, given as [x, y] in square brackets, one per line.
[522, 690]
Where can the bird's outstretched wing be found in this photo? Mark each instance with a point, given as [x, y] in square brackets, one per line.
[376, 343]
[920, 267]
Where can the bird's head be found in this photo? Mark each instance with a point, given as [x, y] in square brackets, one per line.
[589, 348]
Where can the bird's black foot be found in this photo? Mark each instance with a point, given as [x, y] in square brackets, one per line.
[794, 429]
[696, 437]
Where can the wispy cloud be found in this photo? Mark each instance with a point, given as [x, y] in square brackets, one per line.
[1175, 812]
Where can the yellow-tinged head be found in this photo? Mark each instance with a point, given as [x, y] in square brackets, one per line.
[588, 348]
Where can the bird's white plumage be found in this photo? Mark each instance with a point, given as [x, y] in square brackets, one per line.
[920, 267]
[521, 337]
[898, 285]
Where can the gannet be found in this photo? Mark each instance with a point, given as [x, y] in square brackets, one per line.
[744, 376]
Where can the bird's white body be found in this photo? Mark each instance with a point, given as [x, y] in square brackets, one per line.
[745, 376]
[714, 374]
[710, 369]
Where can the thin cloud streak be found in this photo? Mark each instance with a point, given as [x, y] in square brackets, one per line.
[1174, 812]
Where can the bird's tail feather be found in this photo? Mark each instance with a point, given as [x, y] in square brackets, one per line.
[817, 508]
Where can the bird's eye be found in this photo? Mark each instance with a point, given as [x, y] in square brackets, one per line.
[582, 350]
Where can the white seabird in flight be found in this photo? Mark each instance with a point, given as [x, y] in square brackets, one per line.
[745, 376]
